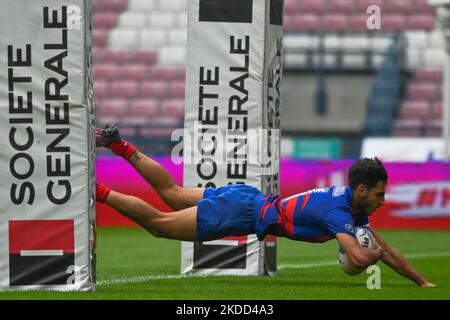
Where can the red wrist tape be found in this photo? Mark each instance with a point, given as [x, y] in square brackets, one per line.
[123, 149]
[101, 192]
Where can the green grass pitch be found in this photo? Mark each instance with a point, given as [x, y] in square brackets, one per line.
[134, 265]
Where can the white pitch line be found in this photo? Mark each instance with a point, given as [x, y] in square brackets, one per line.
[428, 255]
[336, 262]
[145, 278]
[309, 265]
[280, 267]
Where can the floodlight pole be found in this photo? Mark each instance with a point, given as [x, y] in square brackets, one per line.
[443, 15]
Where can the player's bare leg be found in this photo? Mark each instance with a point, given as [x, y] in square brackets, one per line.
[180, 225]
[174, 196]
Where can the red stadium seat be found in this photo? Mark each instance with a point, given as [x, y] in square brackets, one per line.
[103, 20]
[124, 89]
[99, 37]
[101, 89]
[167, 73]
[154, 89]
[163, 120]
[109, 5]
[306, 22]
[437, 110]
[342, 6]
[408, 128]
[144, 56]
[423, 7]
[313, 6]
[177, 89]
[358, 22]
[133, 121]
[174, 107]
[415, 110]
[157, 131]
[135, 71]
[364, 4]
[421, 22]
[117, 5]
[105, 71]
[114, 107]
[116, 56]
[403, 7]
[292, 7]
[334, 22]
[393, 22]
[433, 128]
[145, 107]
[428, 75]
[423, 91]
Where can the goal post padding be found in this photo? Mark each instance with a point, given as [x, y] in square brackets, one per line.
[232, 119]
[47, 154]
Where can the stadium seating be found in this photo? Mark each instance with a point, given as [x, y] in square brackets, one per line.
[436, 109]
[421, 22]
[426, 91]
[116, 107]
[154, 89]
[415, 109]
[139, 55]
[115, 6]
[408, 128]
[342, 6]
[145, 107]
[398, 15]
[342, 51]
[423, 102]
[433, 128]
[116, 56]
[135, 71]
[124, 89]
[99, 37]
[105, 71]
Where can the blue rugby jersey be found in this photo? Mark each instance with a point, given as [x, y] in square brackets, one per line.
[313, 216]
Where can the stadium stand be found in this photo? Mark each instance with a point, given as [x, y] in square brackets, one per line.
[424, 101]
[398, 15]
[139, 54]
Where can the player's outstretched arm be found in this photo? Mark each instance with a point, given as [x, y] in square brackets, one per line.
[394, 259]
[358, 255]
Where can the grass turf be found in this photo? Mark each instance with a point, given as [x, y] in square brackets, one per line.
[134, 265]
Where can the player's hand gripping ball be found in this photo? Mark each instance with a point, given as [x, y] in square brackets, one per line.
[365, 239]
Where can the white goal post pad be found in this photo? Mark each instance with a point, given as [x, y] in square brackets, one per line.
[232, 119]
[47, 154]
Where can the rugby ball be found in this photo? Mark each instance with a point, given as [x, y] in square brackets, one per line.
[365, 239]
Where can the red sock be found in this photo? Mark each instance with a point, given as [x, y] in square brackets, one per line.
[123, 149]
[101, 192]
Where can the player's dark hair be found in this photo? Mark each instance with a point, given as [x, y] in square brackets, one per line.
[367, 172]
